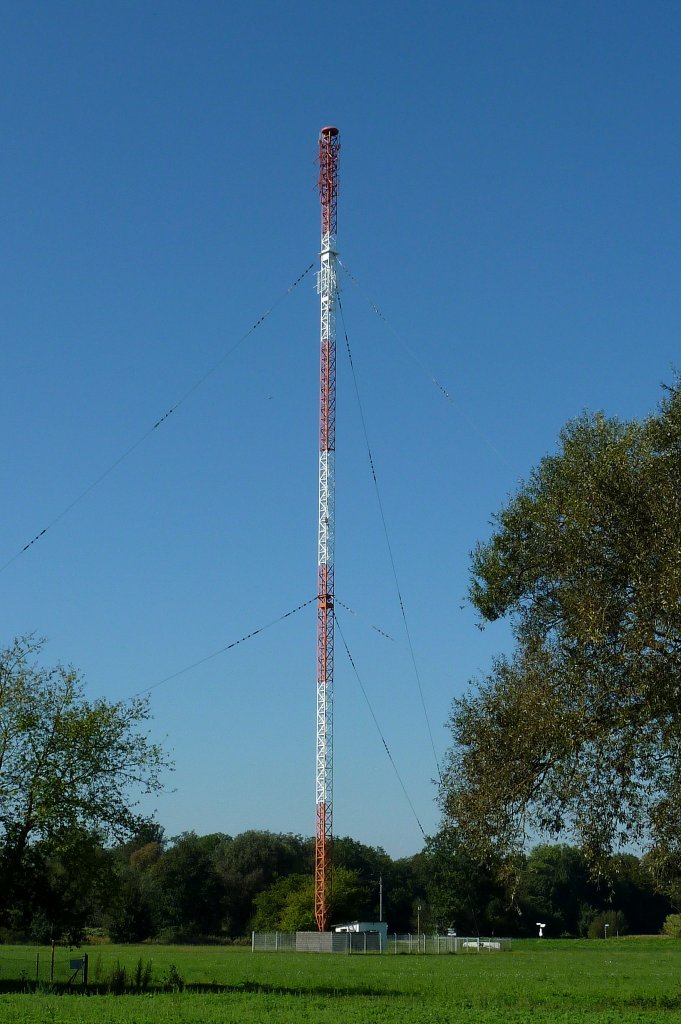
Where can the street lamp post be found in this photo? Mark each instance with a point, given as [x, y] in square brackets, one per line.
[380, 897]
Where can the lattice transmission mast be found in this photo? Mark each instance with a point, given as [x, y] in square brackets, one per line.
[329, 147]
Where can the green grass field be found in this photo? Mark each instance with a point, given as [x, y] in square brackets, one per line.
[618, 982]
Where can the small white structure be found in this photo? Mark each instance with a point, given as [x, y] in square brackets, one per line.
[375, 928]
[541, 926]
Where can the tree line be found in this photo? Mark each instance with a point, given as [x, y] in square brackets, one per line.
[218, 887]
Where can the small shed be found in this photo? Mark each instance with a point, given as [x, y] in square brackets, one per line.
[377, 929]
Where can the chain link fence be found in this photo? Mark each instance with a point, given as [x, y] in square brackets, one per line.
[446, 944]
[369, 942]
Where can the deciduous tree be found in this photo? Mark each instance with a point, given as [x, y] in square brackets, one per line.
[579, 732]
[250, 863]
[68, 765]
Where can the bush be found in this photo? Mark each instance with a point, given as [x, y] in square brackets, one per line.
[120, 981]
[614, 919]
[142, 977]
[173, 982]
[672, 926]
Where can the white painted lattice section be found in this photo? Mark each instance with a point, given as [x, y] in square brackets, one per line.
[326, 533]
[324, 775]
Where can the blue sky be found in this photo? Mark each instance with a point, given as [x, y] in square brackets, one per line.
[509, 200]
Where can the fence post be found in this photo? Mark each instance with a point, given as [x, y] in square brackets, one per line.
[52, 963]
[85, 960]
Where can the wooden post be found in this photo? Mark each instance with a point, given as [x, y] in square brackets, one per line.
[85, 959]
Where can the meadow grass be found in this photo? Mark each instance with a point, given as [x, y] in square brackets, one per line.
[592, 982]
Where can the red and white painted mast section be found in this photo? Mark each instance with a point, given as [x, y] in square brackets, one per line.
[327, 287]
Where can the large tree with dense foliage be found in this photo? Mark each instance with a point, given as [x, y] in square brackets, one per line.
[555, 887]
[461, 892]
[249, 863]
[190, 892]
[579, 732]
[288, 904]
[69, 766]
